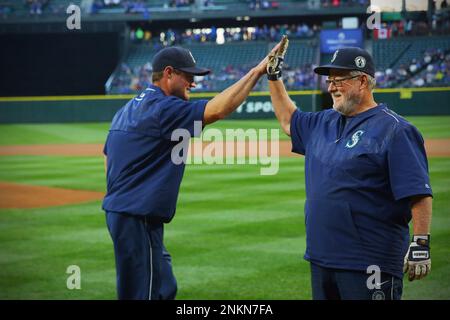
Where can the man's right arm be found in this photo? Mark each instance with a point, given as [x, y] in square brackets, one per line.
[282, 104]
[231, 98]
[228, 100]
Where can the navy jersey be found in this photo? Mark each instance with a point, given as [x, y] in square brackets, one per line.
[360, 172]
[141, 177]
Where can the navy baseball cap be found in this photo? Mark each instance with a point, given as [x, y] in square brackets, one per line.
[178, 58]
[349, 58]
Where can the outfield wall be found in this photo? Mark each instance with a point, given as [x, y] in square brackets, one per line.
[419, 101]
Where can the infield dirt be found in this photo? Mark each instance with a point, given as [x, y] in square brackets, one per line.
[434, 147]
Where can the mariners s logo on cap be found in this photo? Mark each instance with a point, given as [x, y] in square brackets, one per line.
[334, 56]
[190, 53]
[360, 62]
[348, 58]
[178, 58]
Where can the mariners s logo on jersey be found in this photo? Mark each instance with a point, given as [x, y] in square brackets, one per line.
[355, 139]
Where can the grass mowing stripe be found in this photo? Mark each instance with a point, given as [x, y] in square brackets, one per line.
[17, 134]
[23, 134]
[240, 216]
[248, 169]
[40, 256]
[285, 246]
[243, 192]
[83, 173]
[432, 126]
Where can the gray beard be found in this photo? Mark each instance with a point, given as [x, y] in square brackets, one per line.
[349, 106]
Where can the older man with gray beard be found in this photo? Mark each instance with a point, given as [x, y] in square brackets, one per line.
[366, 175]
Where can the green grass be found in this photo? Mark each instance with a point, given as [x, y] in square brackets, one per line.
[25, 134]
[437, 127]
[236, 234]
[83, 173]
[51, 133]
[37, 246]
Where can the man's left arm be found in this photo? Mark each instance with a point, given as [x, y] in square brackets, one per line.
[418, 260]
[421, 208]
[409, 178]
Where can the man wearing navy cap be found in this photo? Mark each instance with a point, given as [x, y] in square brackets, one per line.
[366, 175]
[142, 180]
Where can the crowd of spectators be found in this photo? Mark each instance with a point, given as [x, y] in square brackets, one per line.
[274, 4]
[140, 6]
[128, 6]
[218, 81]
[440, 19]
[436, 73]
[344, 3]
[111, 2]
[179, 3]
[432, 69]
[438, 25]
[263, 4]
[36, 6]
[211, 35]
[132, 80]
[300, 78]
[437, 22]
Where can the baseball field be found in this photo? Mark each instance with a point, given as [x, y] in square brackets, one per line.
[236, 234]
